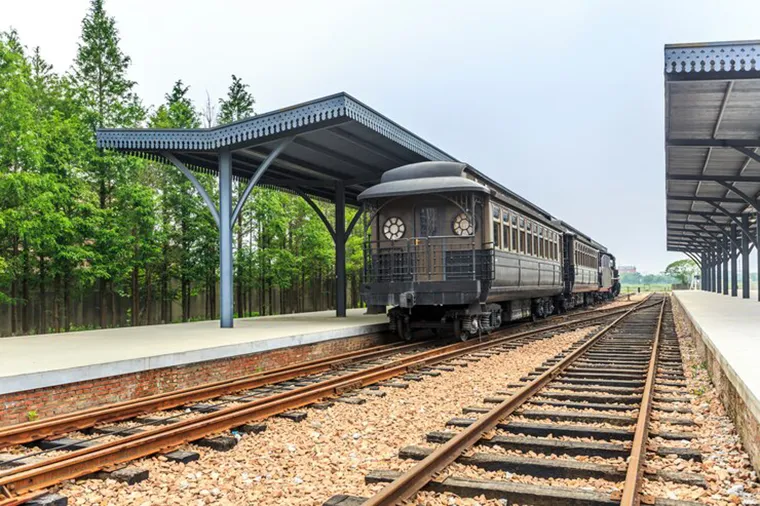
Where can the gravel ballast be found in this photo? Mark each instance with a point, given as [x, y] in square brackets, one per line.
[331, 451]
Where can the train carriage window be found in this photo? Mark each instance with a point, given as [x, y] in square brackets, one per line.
[529, 239]
[496, 227]
[428, 222]
[541, 245]
[515, 234]
[505, 231]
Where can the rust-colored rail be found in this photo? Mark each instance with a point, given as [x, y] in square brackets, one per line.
[62, 424]
[34, 477]
[632, 485]
[409, 483]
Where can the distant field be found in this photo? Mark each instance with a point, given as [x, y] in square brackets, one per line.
[645, 288]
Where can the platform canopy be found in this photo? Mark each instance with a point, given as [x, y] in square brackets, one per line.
[332, 148]
[712, 139]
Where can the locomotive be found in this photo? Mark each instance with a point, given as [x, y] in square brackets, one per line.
[454, 252]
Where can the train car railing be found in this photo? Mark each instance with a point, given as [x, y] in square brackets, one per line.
[440, 258]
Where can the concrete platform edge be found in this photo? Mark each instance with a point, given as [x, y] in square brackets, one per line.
[35, 380]
[742, 406]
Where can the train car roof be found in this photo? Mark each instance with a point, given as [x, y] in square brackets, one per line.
[423, 177]
[578, 233]
[447, 176]
[528, 206]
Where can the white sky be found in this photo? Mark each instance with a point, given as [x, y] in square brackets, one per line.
[560, 101]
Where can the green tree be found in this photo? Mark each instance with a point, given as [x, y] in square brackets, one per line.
[683, 270]
[190, 236]
[238, 104]
[104, 91]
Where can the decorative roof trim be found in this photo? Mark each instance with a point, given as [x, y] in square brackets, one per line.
[742, 56]
[266, 125]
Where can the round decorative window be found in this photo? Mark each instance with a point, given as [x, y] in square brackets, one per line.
[394, 228]
[463, 225]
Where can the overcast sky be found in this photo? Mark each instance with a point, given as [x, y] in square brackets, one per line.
[560, 101]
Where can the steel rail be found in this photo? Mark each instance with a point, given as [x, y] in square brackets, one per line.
[632, 485]
[62, 424]
[409, 483]
[32, 477]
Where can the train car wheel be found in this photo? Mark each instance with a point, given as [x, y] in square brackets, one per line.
[404, 329]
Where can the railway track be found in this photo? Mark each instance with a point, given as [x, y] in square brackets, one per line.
[596, 401]
[259, 396]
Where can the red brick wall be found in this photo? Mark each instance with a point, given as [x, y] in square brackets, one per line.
[71, 397]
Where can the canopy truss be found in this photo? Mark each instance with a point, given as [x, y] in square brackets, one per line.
[712, 148]
[331, 148]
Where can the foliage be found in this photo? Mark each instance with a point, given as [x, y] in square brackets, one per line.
[238, 104]
[84, 228]
[636, 278]
[683, 270]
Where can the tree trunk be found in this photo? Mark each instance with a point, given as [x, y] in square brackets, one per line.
[239, 270]
[25, 289]
[14, 292]
[114, 309]
[165, 290]
[102, 281]
[135, 296]
[56, 302]
[66, 301]
[43, 299]
[148, 295]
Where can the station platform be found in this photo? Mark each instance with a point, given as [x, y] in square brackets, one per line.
[727, 336]
[41, 361]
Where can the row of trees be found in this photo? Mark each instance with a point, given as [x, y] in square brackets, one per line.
[83, 229]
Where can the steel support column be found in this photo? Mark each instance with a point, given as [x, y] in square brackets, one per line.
[757, 251]
[702, 273]
[705, 271]
[714, 280]
[225, 238]
[726, 254]
[340, 249]
[745, 259]
[718, 266]
[734, 274]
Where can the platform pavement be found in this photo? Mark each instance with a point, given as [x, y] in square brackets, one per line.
[729, 330]
[30, 362]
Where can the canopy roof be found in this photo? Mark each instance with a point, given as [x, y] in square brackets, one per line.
[712, 139]
[339, 139]
[334, 139]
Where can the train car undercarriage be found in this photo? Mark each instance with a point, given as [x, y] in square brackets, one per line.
[466, 322]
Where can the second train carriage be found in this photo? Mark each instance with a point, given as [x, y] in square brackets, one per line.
[451, 252]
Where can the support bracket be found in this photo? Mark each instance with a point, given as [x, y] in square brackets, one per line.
[317, 210]
[257, 175]
[197, 184]
[746, 198]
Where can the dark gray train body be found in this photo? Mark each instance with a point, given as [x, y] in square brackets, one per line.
[451, 251]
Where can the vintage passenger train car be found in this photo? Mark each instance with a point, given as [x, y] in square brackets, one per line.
[453, 251]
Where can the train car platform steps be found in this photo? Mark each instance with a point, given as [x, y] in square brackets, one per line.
[40, 361]
[727, 335]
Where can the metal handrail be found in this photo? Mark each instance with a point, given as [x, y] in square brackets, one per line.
[435, 258]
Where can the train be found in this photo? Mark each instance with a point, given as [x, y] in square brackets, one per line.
[453, 252]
